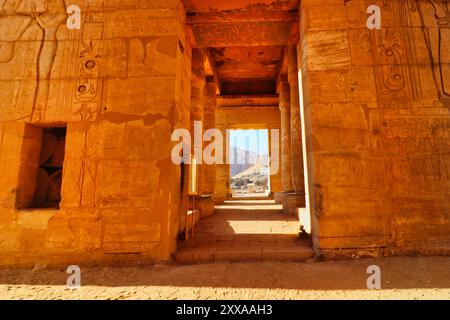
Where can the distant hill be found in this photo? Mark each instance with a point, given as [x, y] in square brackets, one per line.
[250, 175]
[244, 160]
[255, 171]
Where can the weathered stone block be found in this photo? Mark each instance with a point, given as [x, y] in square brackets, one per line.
[330, 50]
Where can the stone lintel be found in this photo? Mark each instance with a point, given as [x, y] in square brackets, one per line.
[247, 100]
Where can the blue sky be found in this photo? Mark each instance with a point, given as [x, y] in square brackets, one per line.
[256, 141]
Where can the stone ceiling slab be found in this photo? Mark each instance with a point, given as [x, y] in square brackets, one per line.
[247, 62]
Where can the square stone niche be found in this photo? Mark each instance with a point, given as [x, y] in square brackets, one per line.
[41, 169]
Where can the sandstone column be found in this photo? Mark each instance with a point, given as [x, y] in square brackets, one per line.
[202, 108]
[197, 91]
[357, 201]
[222, 191]
[285, 112]
[209, 122]
[117, 162]
[197, 108]
[209, 170]
[275, 166]
[296, 133]
[285, 126]
[297, 199]
[196, 115]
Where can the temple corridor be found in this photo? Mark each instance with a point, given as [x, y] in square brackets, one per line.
[246, 230]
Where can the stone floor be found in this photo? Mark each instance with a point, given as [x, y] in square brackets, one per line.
[402, 278]
[246, 230]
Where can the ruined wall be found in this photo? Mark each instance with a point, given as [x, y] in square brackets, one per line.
[121, 85]
[232, 118]
[377, 124]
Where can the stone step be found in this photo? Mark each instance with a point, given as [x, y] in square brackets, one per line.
[271, 198]
[243, 254]
[249, 202]
[248, 212]
[242, 230]
[240, 207]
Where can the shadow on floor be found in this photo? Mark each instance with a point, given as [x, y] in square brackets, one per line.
[397, 273]
[262, 235]
[246, 231]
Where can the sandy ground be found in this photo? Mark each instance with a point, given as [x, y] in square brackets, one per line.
[402, 278]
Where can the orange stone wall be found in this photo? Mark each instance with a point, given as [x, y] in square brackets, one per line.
[377, 125]
[121, 85]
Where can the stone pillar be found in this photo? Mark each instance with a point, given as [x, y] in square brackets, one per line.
[297, 198]
[285, 115]
[118, 169]
[196, 113]
[202, 109]
[222, 191]
[197, 108]
[197, 90]
[296, 133]
[208, 179]
[275, 170]
[373, 183]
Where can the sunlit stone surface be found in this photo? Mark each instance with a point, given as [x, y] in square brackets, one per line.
[376, 121]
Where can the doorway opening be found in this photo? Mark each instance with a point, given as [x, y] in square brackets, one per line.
[249, 163]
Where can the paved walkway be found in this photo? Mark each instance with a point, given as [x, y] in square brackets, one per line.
[246, 230]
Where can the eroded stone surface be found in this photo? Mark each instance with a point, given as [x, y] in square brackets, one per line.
[378, 170]
[120, 86]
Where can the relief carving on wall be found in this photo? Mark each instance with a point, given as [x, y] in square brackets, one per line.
[17, 17]
[76, 97]
[392, 69]
[87, 87]
[438, 41]
[394, 54]
[67, 72]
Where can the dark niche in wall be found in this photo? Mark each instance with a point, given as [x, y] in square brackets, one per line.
[49, 176]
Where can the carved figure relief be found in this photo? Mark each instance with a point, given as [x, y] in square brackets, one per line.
[79, 61]
[49, 22]
[439, 41]
[18, 16]
[13, 23]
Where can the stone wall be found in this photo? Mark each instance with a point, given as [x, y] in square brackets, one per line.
[121, 85]
[377, 124]
[376, 112]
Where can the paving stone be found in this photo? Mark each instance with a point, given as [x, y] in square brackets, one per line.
[240, 237]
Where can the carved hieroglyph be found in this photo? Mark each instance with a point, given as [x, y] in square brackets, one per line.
[394, 53]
